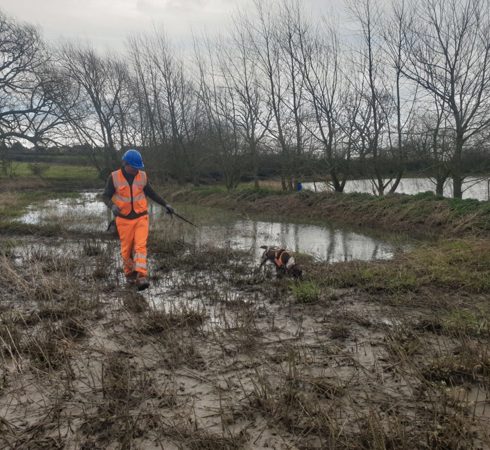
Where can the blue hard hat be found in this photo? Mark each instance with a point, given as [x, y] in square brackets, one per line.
[133, 158]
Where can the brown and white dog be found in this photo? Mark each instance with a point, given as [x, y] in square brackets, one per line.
[283, 261]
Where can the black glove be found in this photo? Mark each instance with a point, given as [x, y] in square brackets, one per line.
[170, 210]
[115, 210]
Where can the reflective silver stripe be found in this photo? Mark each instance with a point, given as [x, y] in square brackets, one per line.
[117, 183]
[139, 255]
[144, 179]
[140, 266]
[139, 197]
[122, 199]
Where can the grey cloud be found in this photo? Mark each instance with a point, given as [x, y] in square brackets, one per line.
[161, 6]
[107, 22]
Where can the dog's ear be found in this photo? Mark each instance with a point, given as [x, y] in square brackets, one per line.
[264, 247]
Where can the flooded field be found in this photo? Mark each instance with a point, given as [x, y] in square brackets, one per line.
[225, 230]
[216, 355]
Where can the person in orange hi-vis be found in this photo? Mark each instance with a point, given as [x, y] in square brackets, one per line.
[125, 194]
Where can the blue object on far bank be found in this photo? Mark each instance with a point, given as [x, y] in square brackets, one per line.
[133, 158]
[299, 186]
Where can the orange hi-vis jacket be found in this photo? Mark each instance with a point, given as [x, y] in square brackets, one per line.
[277, 258]
[130, 197]
[279, 262]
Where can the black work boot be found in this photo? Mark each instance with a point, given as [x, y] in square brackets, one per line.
[142, 282]
[131, 278]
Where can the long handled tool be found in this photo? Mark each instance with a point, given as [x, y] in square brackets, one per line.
[183, 219]
[111, 227]
[112, 223]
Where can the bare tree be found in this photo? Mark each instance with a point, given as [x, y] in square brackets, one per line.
[223, 110]
[377, 103]
[435, 136]
[288, 34]
[271, 35]
[98, 117]
[319, 58]
[240, 76]
[145, 89]
[449, 56]
[403, 95]
[167, 102]
[29, 88]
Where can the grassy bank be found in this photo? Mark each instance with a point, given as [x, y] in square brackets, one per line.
[423, 213]
[451, 265]
[41, 176]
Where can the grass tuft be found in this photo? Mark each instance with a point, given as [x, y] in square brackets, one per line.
[306, 291]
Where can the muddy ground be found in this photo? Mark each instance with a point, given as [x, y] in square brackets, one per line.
[217, 356]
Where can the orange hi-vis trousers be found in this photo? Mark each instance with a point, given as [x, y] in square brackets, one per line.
[133, 234]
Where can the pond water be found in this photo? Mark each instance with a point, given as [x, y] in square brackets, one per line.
[323, 241]
[476, 188]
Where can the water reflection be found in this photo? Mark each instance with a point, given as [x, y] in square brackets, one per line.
[476, 188]
[83, 213]
[325, 243]
[223, 229]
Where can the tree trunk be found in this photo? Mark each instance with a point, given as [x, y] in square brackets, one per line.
[457, 186]
[256, 174]
[283, 183]
[440, 186]
[338, 186]
[456, 167]
[396, 183]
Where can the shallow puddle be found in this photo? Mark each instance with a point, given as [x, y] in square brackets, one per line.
[83, 213]
[324, 242]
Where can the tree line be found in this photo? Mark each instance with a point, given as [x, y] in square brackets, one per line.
[406, 90]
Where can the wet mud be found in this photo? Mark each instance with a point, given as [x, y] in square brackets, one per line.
[216, 355]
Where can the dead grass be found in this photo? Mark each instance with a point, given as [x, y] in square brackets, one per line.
[134, 302]
[163, 321]
[340, 331]
[185, 436]
[10, 338]
[451, 265]
[469, 362]
[46, 349]
[123, 386]
[241, 328]
[215, 358]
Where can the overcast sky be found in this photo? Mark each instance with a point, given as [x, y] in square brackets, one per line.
[107, 22]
